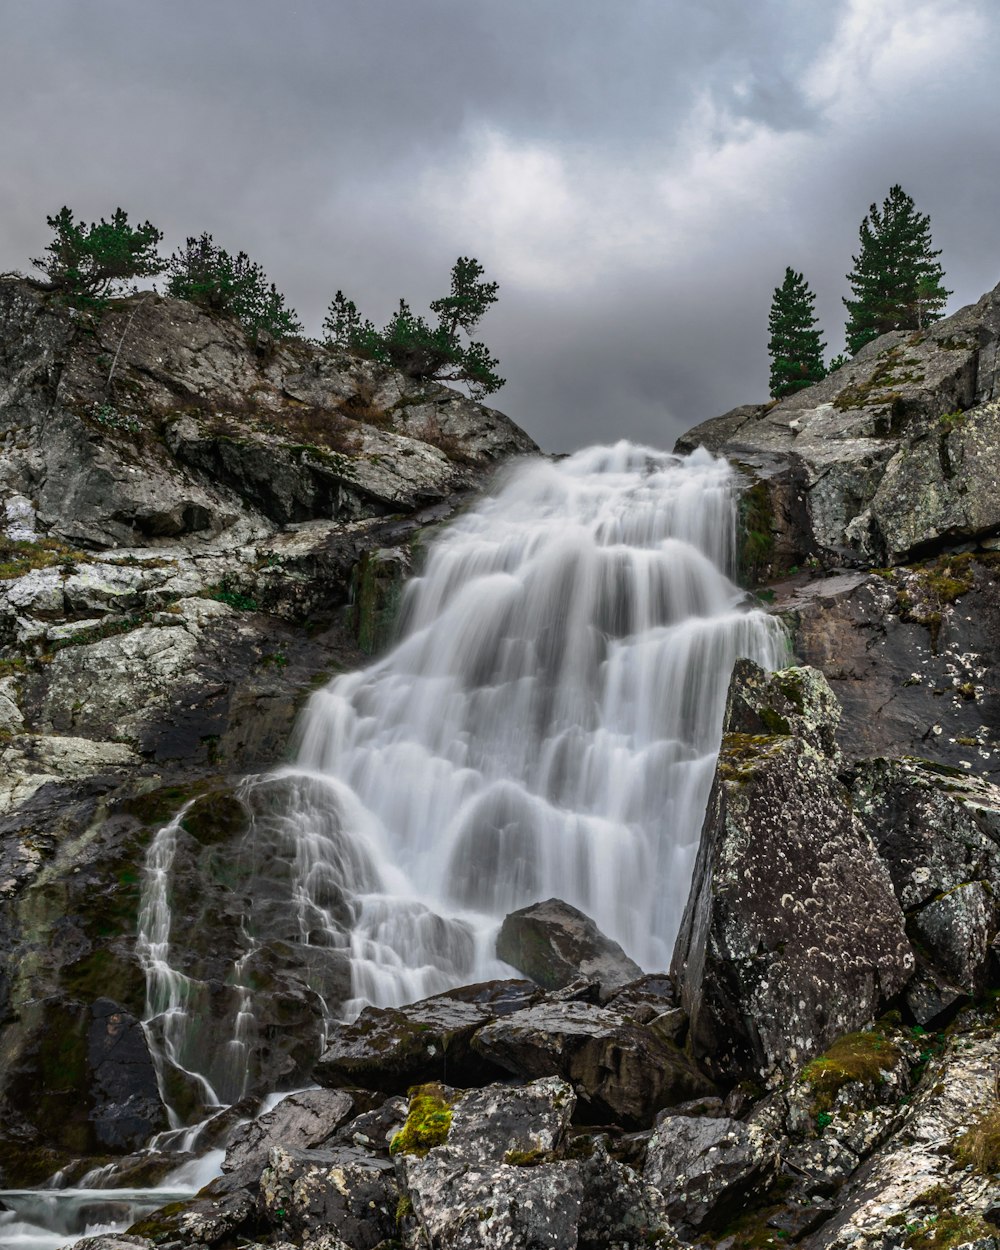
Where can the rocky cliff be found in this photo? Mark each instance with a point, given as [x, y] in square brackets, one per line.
[199, 529]
[208, 526]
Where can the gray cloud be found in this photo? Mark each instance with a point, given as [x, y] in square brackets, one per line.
[636, 175]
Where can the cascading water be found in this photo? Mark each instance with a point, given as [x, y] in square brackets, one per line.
[547, 725]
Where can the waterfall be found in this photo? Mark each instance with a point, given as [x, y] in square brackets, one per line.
[547, 725]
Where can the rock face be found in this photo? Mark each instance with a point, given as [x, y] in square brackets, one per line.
[898, 447]
[179, 504]
[792, 934]
[554, 943]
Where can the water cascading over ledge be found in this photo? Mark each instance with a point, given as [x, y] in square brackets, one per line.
[548, 724]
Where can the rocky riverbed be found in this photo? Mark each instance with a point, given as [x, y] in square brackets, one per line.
[200, 529]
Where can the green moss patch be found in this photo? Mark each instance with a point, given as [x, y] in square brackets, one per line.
[20, 556]
[216, 817]
[860, 1057]
[428, 1122]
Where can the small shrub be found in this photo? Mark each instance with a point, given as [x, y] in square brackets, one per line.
[980, 1144]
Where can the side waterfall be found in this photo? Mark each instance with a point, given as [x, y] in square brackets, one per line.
[548, 724]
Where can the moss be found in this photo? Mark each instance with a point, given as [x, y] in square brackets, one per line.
[156, 807]
[881, 388]
[756, 533]
[528, 1158]
[741, 753]
[404, 1208]
[161, 1223]
[855, 1057]
[979, 1146]
[774, 722]
[428, 1122]
[20, 556]
[945, 1230]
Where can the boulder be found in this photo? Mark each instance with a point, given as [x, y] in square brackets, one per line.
[392, 1049]
[344, 1189]
[621, 1072]
[792, 934]
[299, 1121]
[554, 944]
[706, 1167]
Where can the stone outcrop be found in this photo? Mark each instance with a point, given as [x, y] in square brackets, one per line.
[198, 529]
[554, 943]
[792, 934]
[897, 448]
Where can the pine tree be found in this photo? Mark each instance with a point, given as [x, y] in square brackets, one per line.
[206, 274]
[795, 346]
[896, 282]
[87, 264]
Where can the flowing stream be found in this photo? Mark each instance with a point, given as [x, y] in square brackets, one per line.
[547, 725]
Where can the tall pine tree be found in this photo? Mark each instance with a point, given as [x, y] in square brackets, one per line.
[896, 281]
[795, 347]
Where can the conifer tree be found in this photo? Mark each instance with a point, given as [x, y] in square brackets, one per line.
[896, 281]
[795, 347]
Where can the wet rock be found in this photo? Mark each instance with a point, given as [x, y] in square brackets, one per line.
[554, 943]
[343, 1189]
[792, 935]
[298, 1121]
[218, 1214]
[113, 1241]
[125, 1101]
[955, 931]
[705, 1167]
[621, 1071]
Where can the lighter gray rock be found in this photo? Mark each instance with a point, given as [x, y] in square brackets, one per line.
[298, 1122]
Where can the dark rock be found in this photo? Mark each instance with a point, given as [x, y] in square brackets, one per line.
[621, 1072]
[344, 1189]
[792, 935]
[554, 943]
[298, 1121]
[219, 1213]
[373, 1130]
[392, 1049]
[911, 655]
[705, 1168]
[645, 999]
[125, 1101]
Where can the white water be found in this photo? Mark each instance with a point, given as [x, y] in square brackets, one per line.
[547, 725]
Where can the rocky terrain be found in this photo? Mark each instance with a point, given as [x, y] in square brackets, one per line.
[819, 1066]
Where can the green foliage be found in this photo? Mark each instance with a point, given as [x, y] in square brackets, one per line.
[795, 347]
[444, 351]
[896, 281]
[213, 278]
[87, 264]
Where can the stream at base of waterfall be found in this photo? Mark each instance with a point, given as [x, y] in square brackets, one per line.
[546, 726]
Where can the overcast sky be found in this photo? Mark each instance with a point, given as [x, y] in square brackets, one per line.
[636, 174]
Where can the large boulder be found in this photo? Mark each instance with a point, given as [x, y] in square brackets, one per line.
[299, 1121]
[792, 934]
[555, 944]
[621, 1071]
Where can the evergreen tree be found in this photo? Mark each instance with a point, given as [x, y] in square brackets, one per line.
[795, 347]
[419, 349]
[896, 282]
[208, 275]
[87, 264]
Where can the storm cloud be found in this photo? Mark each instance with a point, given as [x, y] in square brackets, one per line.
[636, 174]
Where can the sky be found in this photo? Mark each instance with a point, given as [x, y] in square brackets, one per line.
[635, 174]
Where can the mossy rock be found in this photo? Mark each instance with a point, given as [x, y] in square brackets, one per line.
[428, 1122]
[861, 1057]
[215, 818]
